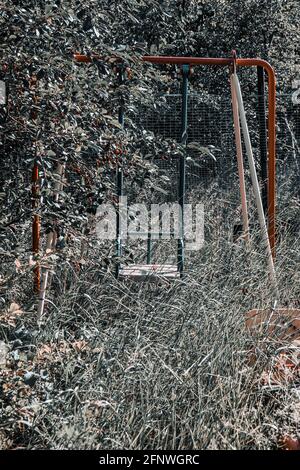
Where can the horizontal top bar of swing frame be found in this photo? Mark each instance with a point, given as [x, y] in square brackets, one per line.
[207, 61]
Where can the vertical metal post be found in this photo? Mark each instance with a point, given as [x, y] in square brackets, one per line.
[119, 176]
[149, 248]
[261, 111]
[35, 225]
[182, 162]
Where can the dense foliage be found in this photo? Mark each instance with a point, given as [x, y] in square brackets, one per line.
[110, 353]
[58, 110]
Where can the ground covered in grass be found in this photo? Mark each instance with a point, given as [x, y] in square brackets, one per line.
[119, 365]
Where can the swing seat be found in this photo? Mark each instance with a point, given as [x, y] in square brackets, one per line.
[151, 272]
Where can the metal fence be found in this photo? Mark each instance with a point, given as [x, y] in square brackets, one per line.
[210, 125]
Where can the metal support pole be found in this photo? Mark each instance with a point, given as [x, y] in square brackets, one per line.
[149, 248]
[118, 225]
[119, 175]
[261, 111]
[255, 183]
[182, 162]
[35, 225]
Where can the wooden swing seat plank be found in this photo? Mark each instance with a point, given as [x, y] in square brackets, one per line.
[151, 272]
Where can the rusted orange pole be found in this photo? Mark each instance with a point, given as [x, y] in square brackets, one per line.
[82, 58]
[87, 59]
[271, 144]
[240, 160]
[271, 121]
[35, 226]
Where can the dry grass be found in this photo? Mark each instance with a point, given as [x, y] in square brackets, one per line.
[153, 366]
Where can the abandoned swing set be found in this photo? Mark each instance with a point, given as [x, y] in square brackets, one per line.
[265, 203]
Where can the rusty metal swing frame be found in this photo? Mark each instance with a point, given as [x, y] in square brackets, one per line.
[204, 61]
